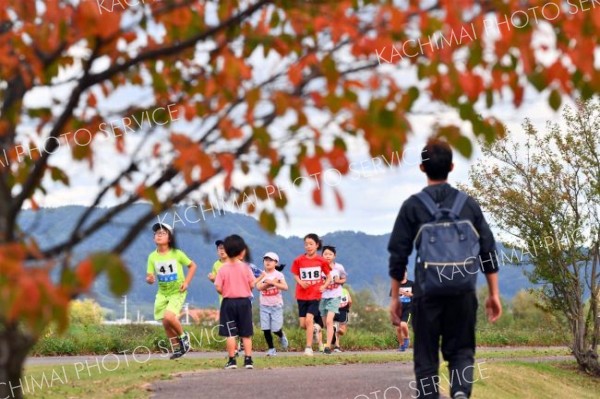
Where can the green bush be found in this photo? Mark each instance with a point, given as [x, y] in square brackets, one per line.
[102, 339]
[369, 329]
[85, 312]
[366, 313]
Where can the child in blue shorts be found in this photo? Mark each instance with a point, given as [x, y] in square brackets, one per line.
[270, 283]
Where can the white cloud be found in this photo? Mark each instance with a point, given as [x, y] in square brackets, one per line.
[373, 191]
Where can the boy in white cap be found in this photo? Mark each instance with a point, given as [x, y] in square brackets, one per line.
[270, 284]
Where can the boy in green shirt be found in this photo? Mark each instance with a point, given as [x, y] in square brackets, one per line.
[218, 263]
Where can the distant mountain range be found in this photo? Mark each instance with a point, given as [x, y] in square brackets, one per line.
[364, 256]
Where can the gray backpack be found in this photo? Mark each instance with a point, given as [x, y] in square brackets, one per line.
[447, 250]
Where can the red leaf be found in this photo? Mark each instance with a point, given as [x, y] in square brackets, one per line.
[317, 196]
[471, 84]
[156, 150]
[27, 297]
[85, 274]
[190, 112]
[91, 100]
[337, 158]
[295, 74]
[120, 142]
[518, 95]
[34, 205]
[312, 165]
[227, 162]
[93, 22]
[229, 130]
[559, 73]
[339, 199]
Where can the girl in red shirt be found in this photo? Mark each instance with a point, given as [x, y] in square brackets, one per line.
[308, 270]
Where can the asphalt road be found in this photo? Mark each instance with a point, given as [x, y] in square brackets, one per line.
[394, 380]
[356, 381]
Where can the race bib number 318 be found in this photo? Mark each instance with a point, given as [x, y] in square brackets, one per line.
[310, 273]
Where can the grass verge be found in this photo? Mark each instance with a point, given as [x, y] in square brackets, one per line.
[519, 380]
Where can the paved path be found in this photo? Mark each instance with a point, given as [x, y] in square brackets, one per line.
[356, 381]
[393, 380]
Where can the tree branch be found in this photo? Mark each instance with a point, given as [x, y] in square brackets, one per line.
[142, 221]
[89, 80]
[40, 165]
[178, 47]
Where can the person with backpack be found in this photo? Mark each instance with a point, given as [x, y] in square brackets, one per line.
[453, 241]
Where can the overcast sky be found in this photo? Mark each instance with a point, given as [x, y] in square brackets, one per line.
[373, 198]
[372, 192]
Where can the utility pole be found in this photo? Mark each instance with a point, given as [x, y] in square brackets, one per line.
[124, 308]
[187, 313]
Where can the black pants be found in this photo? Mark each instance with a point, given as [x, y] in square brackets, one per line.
[451, 318]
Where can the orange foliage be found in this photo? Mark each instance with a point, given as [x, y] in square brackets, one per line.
[325, 57]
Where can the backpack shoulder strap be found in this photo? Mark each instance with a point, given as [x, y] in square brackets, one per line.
[459, 203]
[428, 202]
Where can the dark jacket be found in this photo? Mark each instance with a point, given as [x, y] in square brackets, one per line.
[413, 214]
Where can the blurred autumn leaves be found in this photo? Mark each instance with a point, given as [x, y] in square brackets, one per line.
[267, 88]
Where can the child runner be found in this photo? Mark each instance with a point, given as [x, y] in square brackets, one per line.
[218, 263]
[307, 270]
[271, 283]
[332, 294]
[318, 328]
[235, 282]
[166, 263]
[256, 272]
[341, 319]
[405, 295]
[215, 269]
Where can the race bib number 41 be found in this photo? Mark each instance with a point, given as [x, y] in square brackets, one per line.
[166, 271]
[404, 298]
[310, 273]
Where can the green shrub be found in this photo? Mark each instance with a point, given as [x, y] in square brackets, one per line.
[85, 312]
[102, 339]
[369, 329]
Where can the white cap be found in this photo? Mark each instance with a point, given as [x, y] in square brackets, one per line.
[164, 226]
[271, 255]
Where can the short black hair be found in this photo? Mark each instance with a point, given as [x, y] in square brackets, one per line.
[328, 247]
[234, 245]
[436, 159]
[315, 238]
